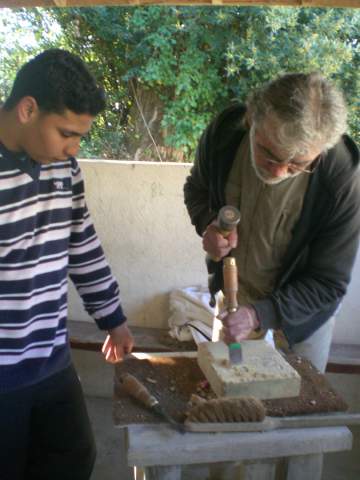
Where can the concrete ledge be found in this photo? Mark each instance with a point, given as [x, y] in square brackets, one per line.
[344, 358]
[164, 446]
[96, 376]
[86, 336]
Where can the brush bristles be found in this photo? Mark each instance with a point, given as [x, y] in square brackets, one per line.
[223, 410]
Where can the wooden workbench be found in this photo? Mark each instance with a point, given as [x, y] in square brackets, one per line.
[160, 452]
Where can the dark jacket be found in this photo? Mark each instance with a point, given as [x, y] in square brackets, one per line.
[317, 266]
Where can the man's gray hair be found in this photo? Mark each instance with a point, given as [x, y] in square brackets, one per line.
[307, 110]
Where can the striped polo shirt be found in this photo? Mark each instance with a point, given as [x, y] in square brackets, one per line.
[46, 234]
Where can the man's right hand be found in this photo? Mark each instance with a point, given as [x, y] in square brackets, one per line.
[215, 244]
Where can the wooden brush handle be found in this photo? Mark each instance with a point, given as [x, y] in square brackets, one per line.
[230, 275]
[137, 390]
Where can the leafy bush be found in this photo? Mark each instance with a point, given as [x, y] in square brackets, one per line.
[174, 68]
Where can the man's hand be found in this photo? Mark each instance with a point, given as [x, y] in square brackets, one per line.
[215, 244]
[238, 325]
[118, 343]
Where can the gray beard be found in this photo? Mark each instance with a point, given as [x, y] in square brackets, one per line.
[264, 175]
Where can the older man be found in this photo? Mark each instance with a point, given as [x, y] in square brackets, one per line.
[286, 162]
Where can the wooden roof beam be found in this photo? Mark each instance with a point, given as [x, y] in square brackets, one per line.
[89, 3]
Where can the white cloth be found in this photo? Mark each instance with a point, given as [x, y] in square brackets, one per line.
[191, 316]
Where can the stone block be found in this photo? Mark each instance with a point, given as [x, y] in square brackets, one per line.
[263, 374]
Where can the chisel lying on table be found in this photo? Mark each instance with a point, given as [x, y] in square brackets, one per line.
[137, 390]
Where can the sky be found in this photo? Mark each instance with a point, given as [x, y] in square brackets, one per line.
[13, 26]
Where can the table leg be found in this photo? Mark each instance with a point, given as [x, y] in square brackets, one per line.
[259, 470]
[139, 473]
[172, 472]
[305, 466]
[222, 471]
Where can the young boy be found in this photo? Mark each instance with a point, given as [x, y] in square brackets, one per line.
[45, 234]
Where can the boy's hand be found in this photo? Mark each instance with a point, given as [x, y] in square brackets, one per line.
[118, 343]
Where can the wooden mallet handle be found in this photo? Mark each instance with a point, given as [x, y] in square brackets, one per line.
[227, 220]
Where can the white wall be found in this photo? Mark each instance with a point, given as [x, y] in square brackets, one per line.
[140, 217]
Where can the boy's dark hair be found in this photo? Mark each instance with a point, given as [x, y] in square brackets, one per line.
[58, 80]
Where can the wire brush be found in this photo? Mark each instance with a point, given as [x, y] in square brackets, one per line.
[223, 410]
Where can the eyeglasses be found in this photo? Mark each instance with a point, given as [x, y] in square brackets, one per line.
[294, 167]
[307, 167]
[304, 167]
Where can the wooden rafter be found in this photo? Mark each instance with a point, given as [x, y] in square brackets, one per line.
[88, 3]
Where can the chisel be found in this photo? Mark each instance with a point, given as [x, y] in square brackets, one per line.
[227, 220]
[133, 387]
[230, 275]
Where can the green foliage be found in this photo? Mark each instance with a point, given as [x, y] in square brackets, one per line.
[195, 60]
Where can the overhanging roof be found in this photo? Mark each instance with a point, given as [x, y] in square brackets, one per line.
[89, 3]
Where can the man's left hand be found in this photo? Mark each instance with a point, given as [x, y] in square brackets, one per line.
[238, 325]
[118, 343]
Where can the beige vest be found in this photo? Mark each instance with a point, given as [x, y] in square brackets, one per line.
[268, 216]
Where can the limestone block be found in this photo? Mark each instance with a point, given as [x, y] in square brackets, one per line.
[263, 374]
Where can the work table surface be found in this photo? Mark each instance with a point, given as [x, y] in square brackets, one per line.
[173, 378]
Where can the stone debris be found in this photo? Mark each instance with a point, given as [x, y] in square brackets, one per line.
[150, 380]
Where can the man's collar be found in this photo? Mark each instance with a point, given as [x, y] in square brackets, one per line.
[20, 160]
